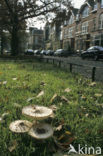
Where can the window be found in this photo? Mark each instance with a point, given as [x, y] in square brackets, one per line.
[65, 33]
[101, 3]
[95, 6]
[70, 32]
[71, 20]
[85, 28]
[85, 12]
[94, 24]
[101, 21]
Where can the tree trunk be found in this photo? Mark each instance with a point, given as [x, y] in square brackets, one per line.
[14, 41]
[2, 42]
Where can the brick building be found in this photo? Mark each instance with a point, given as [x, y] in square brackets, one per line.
[84, 27]
[53, 32]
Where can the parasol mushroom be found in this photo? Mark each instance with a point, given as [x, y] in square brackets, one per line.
[41, 131]
[20, 126]
[37, 112]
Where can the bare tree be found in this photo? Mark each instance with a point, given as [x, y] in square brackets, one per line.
[16, 12]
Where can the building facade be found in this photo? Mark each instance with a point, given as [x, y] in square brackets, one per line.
[84, 27]
[36, 38]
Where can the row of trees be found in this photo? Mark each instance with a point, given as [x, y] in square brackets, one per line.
[15, 13]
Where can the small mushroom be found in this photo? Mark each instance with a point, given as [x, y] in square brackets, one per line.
[37, 112]
[41, 131]
[20, 126]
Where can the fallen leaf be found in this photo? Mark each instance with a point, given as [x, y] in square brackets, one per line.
[16, 105]
[98, 95]
[40, 94]
[15, 78]
[13, 146]
[68, 132]
[64, 99]
[0, 73]
[5, 114]
[67, 90]
[30, 99]
[4, 82]
[1, 119]
[92, 84]
[83, 97]
[86, 115]
[59, 128]
[54, 97]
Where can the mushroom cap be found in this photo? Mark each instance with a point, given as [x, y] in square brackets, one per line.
[20, 126]
[41, 131]
[37, 112]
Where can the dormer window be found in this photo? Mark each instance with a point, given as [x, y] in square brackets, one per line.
[77, 17]
[95, 7]
[71, 20]
[85, 12]
[101, 3]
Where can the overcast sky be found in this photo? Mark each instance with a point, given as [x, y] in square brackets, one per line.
[78, 3]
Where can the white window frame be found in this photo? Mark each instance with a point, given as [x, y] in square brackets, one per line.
[85, 27]
[85, 12]
[70, 32]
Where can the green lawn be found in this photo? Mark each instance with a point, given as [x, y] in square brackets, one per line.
[79, 113]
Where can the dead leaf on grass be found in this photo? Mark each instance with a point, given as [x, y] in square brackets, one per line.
[98, 95]
[15, 78]
[59, 127]
[30, 99]
[92, 84]
[40, 94]
[86, 115]
[16, 105]
[54, 97]
[64, 99]
[4, 82]
[83, 97]
[67, 90]
[13, 146]
[5, 114]
[1, 119]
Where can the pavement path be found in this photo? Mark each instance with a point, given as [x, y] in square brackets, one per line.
[84, 68]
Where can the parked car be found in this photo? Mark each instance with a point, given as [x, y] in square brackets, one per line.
[43, 52]
[7, 51]
[95, 52]
[37, 52]
[49, 52]
[29, 52]
[61, 52]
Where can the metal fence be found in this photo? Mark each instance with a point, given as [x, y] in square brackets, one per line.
[92, 72]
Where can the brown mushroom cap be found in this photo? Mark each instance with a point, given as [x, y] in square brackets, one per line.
[41, 131]
[20, 126]
[37, 112]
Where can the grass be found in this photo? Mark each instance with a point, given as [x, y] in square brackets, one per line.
[81, 117]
